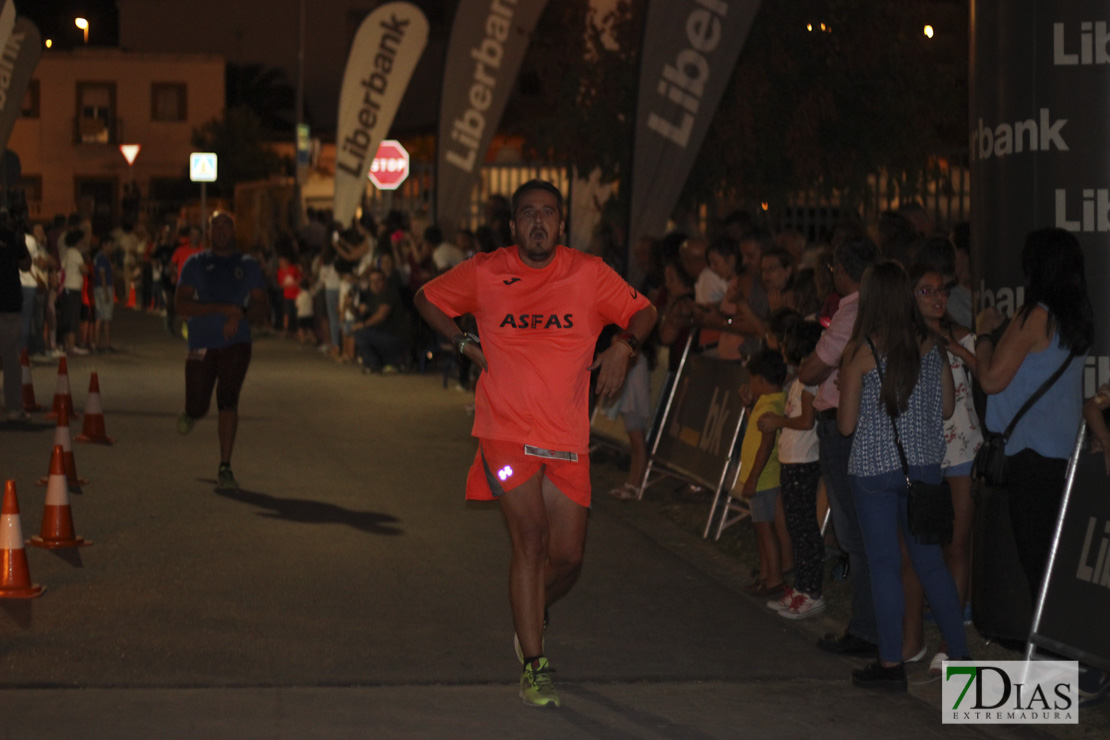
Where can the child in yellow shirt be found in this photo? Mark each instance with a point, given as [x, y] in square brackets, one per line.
[759, 468]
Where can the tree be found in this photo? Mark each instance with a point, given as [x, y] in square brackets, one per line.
[806, 109]
[266, 91]
[237, 139]
[576, 99]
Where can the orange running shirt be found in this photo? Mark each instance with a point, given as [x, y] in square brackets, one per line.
[538, 328]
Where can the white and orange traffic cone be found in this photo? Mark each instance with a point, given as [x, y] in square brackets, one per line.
[62, 396]
[93, 428]
[29, 403]
[62, 438]
[15, 576]
[57, 518]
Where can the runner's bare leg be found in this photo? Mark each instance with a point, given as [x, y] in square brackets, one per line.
[526, 519]
[226, 427]
[566, 542]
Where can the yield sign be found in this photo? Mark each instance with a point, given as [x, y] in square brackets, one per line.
[129, 152]
[390, 166]
[202, 167]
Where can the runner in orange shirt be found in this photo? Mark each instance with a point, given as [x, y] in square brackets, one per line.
[539, 308]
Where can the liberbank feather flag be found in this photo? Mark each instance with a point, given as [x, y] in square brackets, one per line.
[18, 59]
[383, 56]
[7, 20]
[690, 49]
[488, 42]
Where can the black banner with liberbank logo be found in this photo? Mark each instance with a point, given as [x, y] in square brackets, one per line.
[1040, 155]
[1077, 601]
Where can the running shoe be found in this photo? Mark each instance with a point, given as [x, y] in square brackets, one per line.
[185, 423]
[226, 478]
[543, 640]
[536, 687]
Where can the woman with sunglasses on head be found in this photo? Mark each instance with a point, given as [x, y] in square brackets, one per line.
[962, 437]
[895, 383]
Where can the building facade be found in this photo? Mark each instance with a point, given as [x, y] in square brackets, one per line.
[83, 104]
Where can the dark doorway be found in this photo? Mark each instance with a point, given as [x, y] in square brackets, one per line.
[98, 198]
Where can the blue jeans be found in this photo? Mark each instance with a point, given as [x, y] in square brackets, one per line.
[881, 506]
[834, 451]
[27, 321]
[331, 299]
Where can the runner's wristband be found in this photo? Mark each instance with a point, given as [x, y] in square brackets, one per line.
[633, 343]
[984, 335]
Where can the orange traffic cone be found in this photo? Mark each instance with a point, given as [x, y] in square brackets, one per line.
[62, 438]
[93, 429]
[29, 403]
[131, 297]
[57, 518]
[61, 393]
[15, 577]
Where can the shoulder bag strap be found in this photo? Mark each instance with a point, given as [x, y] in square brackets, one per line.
[897, 441]
[1036, 397]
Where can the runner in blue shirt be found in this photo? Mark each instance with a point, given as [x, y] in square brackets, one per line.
[218, 291]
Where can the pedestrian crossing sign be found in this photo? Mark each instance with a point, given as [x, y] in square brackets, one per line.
[202, 167]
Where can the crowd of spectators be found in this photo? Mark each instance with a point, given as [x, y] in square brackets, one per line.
[845, 342]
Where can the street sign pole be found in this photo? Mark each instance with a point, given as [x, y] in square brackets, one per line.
[203, 213]
[202, 169]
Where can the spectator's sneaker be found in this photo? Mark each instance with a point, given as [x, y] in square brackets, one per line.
[536, 687]
[543, 640]
[389, 370]
[78, 351]
[185, 423]
[784, 601]
[1094, 685]
[877, 676]
[19, 416]
[226, 478]
[802, 606]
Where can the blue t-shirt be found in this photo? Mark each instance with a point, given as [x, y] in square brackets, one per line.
[219, 280]
[101, 262]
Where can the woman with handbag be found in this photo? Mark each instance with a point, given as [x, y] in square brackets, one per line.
[896, 390]
[1038, 358]
[962, 437]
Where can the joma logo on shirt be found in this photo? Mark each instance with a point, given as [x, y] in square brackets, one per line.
[538, 321]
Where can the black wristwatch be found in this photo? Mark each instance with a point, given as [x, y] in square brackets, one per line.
[460, 341]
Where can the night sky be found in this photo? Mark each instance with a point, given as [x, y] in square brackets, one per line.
[54, 19]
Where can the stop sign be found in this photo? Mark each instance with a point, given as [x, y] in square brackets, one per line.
[390, 166]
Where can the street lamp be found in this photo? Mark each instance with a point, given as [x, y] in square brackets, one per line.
[84, 26]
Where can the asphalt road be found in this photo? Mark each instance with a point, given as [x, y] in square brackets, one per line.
[348, 590]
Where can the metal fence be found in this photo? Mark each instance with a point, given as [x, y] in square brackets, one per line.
[417, 194]
[945, 192]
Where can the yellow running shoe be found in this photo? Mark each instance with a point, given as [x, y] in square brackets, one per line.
[536, 687]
